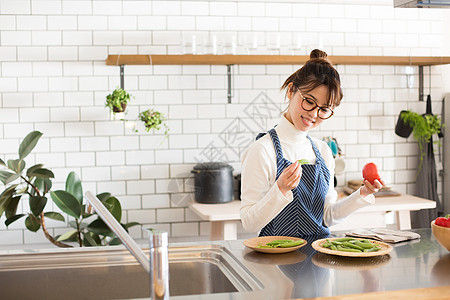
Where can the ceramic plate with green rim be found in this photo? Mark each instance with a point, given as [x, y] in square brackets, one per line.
[259, 244]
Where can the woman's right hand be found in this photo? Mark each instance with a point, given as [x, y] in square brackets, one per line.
[289, 178]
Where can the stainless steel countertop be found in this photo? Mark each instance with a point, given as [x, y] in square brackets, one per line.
[307, 273]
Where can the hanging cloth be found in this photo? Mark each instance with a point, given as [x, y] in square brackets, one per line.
[426, 183]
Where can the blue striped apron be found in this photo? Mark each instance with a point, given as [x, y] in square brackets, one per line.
[304, 215]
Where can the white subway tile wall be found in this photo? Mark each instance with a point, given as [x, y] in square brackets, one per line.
[53, 78]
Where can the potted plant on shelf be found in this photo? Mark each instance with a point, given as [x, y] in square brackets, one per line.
[153, 120]
[117, 101]
[423, 127]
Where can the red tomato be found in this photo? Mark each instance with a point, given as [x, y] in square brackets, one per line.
[370, 172]
[441, 221]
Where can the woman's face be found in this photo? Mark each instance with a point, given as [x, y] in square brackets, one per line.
[306, 120]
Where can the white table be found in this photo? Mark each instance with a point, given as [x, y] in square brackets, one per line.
[373, 216]
[224, 217]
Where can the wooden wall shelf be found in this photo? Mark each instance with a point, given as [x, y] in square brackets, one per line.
[189, 59]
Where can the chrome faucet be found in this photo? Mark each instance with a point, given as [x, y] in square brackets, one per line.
[159, 264]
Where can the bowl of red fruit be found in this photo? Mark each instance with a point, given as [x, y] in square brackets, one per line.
[441, 231]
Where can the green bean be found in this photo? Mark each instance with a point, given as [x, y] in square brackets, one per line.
[340, 248]
[345, 239]
[291, 244]
[276, 242]
[303, 161]
[351, 245]
[336, 243]
[364, 245]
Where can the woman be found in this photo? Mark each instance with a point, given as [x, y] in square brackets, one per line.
[279, 196]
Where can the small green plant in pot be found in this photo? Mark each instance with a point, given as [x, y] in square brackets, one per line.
[423, 128]
[153, 120]
[117, 101]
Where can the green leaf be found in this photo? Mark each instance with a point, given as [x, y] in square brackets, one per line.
[67, 236]
[44, 185]
[5, 175]
[104, 196]
[12, 219]
[37, 204]
[73, 186]
[83, 225]
[12, 178]
[28, 143]
[73, 224]
[11, 210]
[31, 169]
[41, 173]
[5, 197]
[131, 224]
[17, 165]
[114, 208]
[2, 162]
[4, 202]
[67, 203]
[54, 216]
[9, 191]
[115, 242]
[32, 223]
[99, 227]
[91, 239]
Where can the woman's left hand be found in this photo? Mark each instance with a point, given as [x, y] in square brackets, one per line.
[369, 188]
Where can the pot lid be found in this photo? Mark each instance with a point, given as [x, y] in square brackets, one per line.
[212, 166]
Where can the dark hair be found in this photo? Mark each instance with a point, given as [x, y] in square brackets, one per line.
[317, 71]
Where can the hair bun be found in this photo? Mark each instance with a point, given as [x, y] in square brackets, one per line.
[316, 53]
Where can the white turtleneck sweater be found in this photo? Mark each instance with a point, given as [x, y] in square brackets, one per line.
[261, 198]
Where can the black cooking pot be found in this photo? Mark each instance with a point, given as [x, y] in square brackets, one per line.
[213, 182]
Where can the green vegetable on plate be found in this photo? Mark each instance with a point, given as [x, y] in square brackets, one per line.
[281, 244]
[351, 245]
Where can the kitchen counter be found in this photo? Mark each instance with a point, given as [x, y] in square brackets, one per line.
[224, 217]
[418, 269]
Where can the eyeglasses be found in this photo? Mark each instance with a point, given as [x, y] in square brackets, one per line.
[309, 104]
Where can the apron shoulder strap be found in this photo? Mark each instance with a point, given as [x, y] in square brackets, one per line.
[260, 135]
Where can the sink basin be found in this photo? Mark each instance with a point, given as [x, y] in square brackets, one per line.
[114, 274]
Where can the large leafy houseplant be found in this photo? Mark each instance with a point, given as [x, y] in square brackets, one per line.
[423, 128]
[35, 185]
